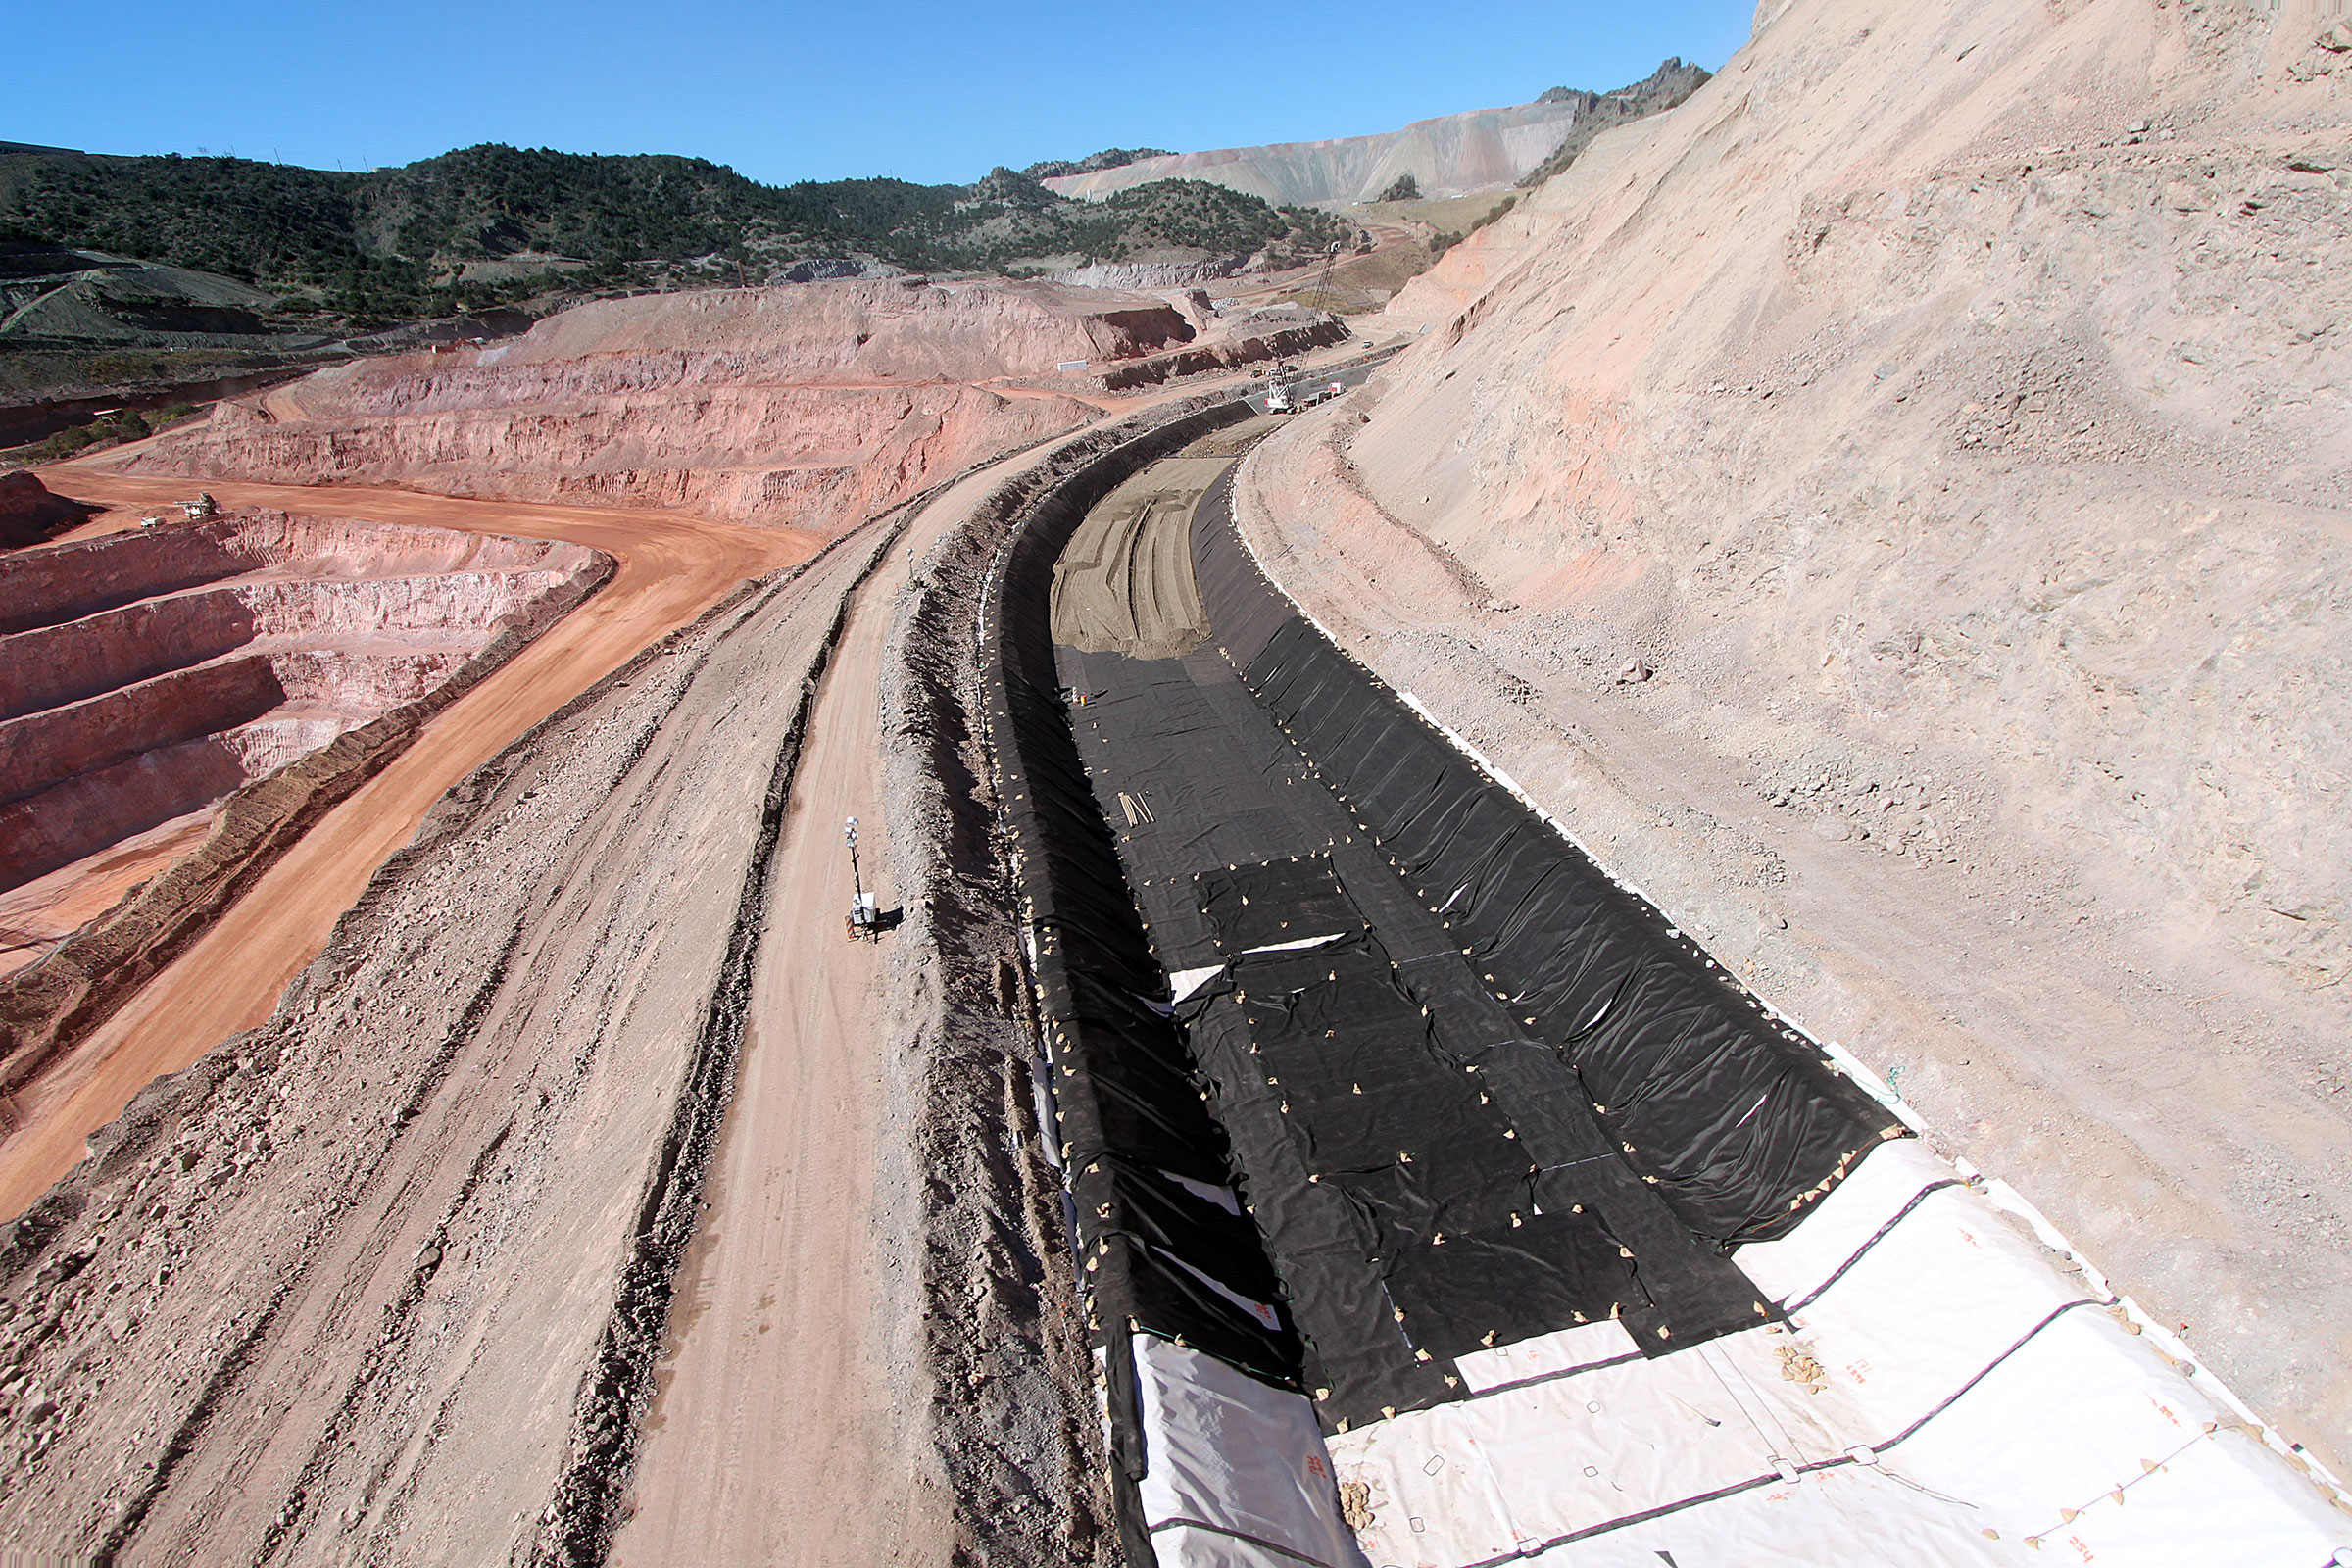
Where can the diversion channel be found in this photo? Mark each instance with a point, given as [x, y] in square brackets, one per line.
[1437, 1202]
[1358, 1066]
[1397, 985]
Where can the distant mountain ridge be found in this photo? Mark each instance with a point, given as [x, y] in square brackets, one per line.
[487, 226]
[1451, 155]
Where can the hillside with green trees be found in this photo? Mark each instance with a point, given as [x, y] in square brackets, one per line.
[410, 241]
[1107, 158]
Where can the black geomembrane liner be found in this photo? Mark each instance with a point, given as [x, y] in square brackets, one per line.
[1128, 1104]
[1267, 760]
[1255, 905]
[1441, 1193]
[1740, 1126]
[1232, 798]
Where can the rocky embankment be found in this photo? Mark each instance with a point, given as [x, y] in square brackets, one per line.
[807, 405]
[1895, 507]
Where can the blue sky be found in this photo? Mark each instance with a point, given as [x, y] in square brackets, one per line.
[931, 90]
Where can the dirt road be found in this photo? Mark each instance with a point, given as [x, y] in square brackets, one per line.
[672, 567]
[790, 1426]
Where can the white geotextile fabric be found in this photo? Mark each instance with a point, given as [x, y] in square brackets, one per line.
[1235, 1473]
[2031, 1414]
[1181, 983]
[1547, 1354]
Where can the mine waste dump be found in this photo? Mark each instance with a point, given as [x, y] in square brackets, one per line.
[1436, 1200]
[146, 676]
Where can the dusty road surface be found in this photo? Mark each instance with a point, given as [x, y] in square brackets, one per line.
[672, 567]
[789, 1428]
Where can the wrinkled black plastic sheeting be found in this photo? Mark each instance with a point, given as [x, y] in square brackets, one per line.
[1229, 793]
[1739, 1124]
[1130, 1114]
[1433, 1242]
[1227, 790]
[1129, 1463]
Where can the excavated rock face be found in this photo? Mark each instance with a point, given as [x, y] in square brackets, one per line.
[145, 676]
[1945, 407]
[813, 405]
[1967, 392]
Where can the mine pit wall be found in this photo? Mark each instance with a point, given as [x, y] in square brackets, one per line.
[355, 685]
[60, 583]
[81, 814]
[80, 698]
[68, 582]
[816, 455]
[43, 748]
[47, 1006]
[53, 665]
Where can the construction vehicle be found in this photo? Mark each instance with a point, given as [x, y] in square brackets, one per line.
[203, 506]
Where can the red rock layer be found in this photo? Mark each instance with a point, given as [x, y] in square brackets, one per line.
[156, 672]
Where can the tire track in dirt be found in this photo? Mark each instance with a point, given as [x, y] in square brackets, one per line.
[788, 1429]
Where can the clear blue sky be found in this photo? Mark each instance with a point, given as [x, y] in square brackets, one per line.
[931, 90]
